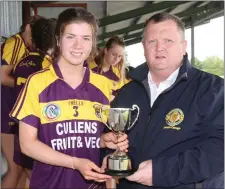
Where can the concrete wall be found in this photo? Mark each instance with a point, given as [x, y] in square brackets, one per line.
[95, 7]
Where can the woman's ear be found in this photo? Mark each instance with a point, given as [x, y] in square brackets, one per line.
[57, 41]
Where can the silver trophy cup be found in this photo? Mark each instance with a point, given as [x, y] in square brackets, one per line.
[119, 121]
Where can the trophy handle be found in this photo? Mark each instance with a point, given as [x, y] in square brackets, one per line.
[103, 120]
[138, 109]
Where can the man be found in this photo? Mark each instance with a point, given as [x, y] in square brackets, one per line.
[178, 139]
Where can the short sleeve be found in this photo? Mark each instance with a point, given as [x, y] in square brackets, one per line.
[13, 51]
[27, 108]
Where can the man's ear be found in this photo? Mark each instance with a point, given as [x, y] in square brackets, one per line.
[184, 46]
[143, 47]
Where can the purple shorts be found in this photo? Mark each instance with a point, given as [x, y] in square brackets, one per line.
[7, 102]
[20, 158]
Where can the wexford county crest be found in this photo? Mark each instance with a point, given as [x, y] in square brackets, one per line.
[174, 118]
[51, 112]
[100, 108]
[97, 110]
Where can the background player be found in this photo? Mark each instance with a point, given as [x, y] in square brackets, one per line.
[111, 63]
[43, 41]
[12, 50]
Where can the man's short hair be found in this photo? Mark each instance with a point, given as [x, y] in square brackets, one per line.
[163, 16]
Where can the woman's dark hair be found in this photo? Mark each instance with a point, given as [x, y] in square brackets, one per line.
[30, 21]
[75, 15]
[42, 32]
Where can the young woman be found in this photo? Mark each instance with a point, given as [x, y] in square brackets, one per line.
[12, 50]
[59, 126]
[43, 41]
[111, 62]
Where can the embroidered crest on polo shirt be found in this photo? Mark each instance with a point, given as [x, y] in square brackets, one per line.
[51, 112]
[174, 118]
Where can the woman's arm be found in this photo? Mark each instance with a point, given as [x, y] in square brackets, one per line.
[6, 79]
[31, 146]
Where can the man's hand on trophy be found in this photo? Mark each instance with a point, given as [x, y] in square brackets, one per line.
[143, 175]
[89, 170]
[113, 141]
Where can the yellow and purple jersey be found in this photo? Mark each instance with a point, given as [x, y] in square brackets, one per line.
[13, 49]
[113, 74]
[67, 120]
[28, 65]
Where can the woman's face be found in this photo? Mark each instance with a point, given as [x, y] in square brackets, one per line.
[114, 54]
[76, 43]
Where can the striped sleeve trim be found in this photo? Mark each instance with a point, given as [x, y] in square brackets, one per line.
[16, 51]
[20, 100]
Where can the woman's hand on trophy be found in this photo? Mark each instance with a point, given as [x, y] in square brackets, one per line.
[104, 162]
[113, 141]
[90, 170]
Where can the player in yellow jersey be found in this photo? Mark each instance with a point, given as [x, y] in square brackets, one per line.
[59, 125]
[43, 39]
[110, 62]
[12, 50]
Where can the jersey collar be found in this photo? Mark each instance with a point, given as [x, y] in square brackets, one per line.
[55, 70]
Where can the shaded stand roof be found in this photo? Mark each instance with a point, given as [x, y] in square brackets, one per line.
[127, 18]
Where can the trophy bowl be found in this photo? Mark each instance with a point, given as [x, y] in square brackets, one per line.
[119, 121]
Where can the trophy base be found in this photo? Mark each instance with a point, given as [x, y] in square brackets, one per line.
[119, 174]
[119, 166]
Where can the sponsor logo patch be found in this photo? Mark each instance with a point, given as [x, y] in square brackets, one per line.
[51, 112]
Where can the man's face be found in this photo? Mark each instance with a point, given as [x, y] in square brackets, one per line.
[164, 46]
